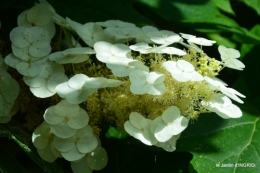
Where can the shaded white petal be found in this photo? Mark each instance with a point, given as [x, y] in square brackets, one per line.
[136, 133]
[39, 15]
[63, 89]
[87, 144]
[155, 78]
[41, 136]
[54, 150]
[138, 89]
[170, 145]
[195, 76]
[18, 37]
[80, 166]
[156, 89]
[163, 134]
[42, 91]
[79, 96]
[64, 145]
[51, 117]
[65, 108]
[171, 114]
[62, 130]
[12, 60]
[138, 77]
[79, 121]
[77, 81]
[54, 80]
[34, 81]
[40, 49]
[178, 125]
[46, 154]
[26, 69]
[97, 159]
[73, 154]
[173, 51]
[157, 124]
[201, 41]
[138, 121]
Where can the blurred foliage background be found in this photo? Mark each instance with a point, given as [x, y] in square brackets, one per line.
[206, 142]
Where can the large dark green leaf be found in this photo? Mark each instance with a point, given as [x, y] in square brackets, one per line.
[215, 142]
[99, 10]
[255, 4]
[8, 164]
[13, 132]
[189, 11]
[242, 35]
[225, 6]
[221, 40]
[246, 48]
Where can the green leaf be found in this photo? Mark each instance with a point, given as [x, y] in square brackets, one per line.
[113, 132]
[246, 48]
[252, 70]
[12, 131]
[8, 164]
[256, 30]
[242, 35]
[224, 5]
[99, 10]
[254, 4]
[189, 11]
[214, 142]
[221, 40]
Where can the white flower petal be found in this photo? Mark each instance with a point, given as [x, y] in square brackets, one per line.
[136, 133]
[12, 60]
[78, 121]
[54, 80]
[97, 159]
[87, 144]
[163, 134]
[80, 166]
[51, 117]
[73, 154]
[39, 15]
[46, 154]
[62, 130]
[170, 145]
[79, 96]
[41, 136]
[77, 81]
[171, 114]
[42, 91]
[65, 108]
[201, 41]
[138, 121]
[64, 145]
[164, 37]
[173, 51]
[138, 77]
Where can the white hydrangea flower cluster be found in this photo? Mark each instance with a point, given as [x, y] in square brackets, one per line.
[9, 90]
[64, 133]
[162, 131]
[95, 160]
[160, 87]
[31, 48]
